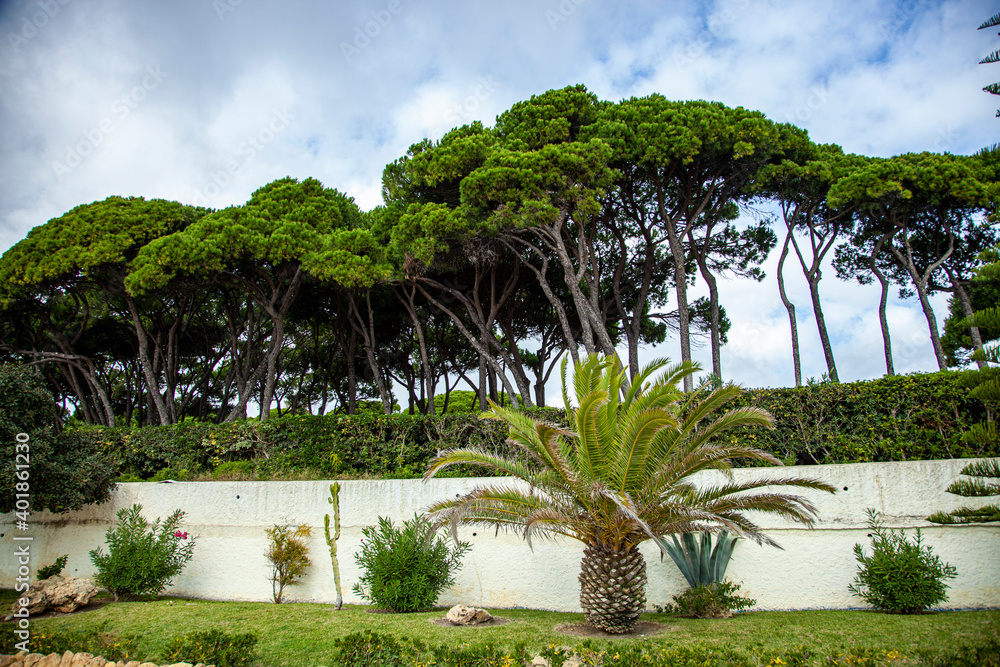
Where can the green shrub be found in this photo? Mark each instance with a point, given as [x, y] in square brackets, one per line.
[171, 474]
[716, 600]
[214, 647]
[97, 641]
[288, 554]
[142, 558]
[52, 570]
[65, 470]
[237, 470]
[370, 649]
[900, 576]
[405, 569]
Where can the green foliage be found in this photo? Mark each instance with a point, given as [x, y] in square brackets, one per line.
[974, 488]
[405, 569]
[65, 470]
[214, 647]
[95, 640]
[718, 599]
[900, 576]
[52, 570]
[863, 656]
[370, 649]
[697, 560]
[233, 470]
[289, 556]
[898, 418]
[142, 558]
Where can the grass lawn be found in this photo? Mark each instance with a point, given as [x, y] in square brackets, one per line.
[303, 634]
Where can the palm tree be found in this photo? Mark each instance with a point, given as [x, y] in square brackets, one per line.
[621, 477]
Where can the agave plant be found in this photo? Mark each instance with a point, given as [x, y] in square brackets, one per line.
[621, 476]
[698, 561]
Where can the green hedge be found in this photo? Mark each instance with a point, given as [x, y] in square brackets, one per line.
[900, 418]
[891, 419]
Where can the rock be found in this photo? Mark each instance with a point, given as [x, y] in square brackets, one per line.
[539, 661]
[181, 664]
[32, 658]
[59, 593]
[81, 659]
[51, 660]
[133, 663]
[149, 664]
[6, 660]
[462, 615]
[67, 659]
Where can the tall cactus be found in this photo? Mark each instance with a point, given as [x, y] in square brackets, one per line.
[334, 500]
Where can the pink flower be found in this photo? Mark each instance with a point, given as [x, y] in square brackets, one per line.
[181, 535]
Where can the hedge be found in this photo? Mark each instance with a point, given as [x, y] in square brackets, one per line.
[891, 419]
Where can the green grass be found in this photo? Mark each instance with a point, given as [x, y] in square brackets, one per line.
[303, 634]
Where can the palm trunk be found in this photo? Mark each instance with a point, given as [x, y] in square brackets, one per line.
[612, 586]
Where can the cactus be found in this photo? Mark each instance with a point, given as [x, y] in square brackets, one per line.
[334, 500]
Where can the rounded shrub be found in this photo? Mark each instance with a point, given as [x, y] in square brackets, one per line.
[899, 576]
[142, 557]
[405, 569]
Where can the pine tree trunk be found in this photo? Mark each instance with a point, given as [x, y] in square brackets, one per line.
[790, 307]
[612, 587]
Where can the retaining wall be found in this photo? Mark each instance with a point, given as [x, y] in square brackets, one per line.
[813, 569]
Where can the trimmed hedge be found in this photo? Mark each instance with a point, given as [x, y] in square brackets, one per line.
[900, 418]
[891, 419]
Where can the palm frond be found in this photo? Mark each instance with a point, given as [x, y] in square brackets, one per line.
[990, 22]
[589, 452]
[992, 58]
[637, 433]
[494, 462]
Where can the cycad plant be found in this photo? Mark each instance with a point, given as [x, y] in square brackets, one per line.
[622, 475]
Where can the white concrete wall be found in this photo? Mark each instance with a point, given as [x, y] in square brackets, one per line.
[812, 571]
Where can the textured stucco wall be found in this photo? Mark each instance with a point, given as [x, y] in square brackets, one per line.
[501, 571]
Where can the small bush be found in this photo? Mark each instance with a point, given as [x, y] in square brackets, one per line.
[864, 657]
[288, 554]
[370, 649]
[214, 647]
[900, 576]
[233, 470]
[406, 569]
[142, 558]
[716, 600]
[97, 641]
[52, 570]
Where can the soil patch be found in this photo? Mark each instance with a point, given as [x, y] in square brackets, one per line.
[641, 629]
[497, 620]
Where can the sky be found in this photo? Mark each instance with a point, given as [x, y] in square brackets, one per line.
[204, 101]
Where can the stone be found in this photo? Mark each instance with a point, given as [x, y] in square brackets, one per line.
[181, 664]
[67, 659]
[81, 659]
[32, 658]
[149, 664]
[99, 661]
[133, 663]
[6, 660]
[51, 660]
[58, 593]
[462, 615]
